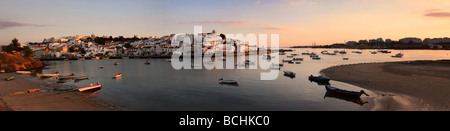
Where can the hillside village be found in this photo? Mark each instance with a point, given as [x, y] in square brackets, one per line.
[107, 46]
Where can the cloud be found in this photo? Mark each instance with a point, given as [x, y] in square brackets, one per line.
[257, 2]
[6, 24]
[438, 14]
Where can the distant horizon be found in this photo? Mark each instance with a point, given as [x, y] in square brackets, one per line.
[298, 22]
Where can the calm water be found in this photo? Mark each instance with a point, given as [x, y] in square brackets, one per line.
[159, 87]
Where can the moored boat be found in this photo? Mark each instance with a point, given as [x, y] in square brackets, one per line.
[56, 74]
[352, 94]
[147, 62]
[119, 75]
[318, 78]
[116, 63]
[23, 72]
[9, 78]
[92, 86]
[231, 82]
[80, 78]
[72, 76]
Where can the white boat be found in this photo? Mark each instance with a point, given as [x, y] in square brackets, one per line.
[222, 81]
[23, 72]
[92, 86]
[119, 75]
[48, 75]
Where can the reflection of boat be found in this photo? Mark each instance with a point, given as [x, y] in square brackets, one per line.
[399, 55]
[318, 78]
[48, 75]
[228, 82]
[358, 101]
[23, 72]
[345, 93]
[119, 75]
[92, 86]
[9, 78]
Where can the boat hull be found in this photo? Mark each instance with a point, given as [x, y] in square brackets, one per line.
[343, 93]
[89, 87]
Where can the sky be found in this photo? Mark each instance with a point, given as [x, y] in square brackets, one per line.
[298, 22]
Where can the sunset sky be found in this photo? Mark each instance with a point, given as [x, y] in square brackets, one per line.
[299, 22]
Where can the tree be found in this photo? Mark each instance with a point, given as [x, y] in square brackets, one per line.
[27, 51]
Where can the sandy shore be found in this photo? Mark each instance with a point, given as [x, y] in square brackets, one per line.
[51, 97]
[419, 85]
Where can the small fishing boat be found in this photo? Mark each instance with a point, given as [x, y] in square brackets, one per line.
[316, 58]
[289, 73]
[116, 63]
[298, 62]
[373, 52]
[72, 76]
[345, 58]
[92, 86]
[168, 60]
[231, 82]
[2, 71]
[56, 74]
[298, 59]
[399, 55]
[81, 78]
[318, 78]
[343, 52]
[287, 60]
[9, 78]
[352, 94]
[23, 72]
[119, 75]
[290, 56]
[101, 67]
[147, 62]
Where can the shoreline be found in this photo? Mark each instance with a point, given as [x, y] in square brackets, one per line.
[27, 93]
[413, 86]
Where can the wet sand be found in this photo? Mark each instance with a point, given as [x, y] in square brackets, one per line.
[51, 97]
[419, 85]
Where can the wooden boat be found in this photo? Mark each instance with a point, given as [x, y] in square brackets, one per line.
[231, 82]
[92, 86]
[81, 78]
[48, 75]
[289, 73]
[345, 93]
[23, 72]
[9, 78]
[119, 75]
[319, 78]
[72, 76]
